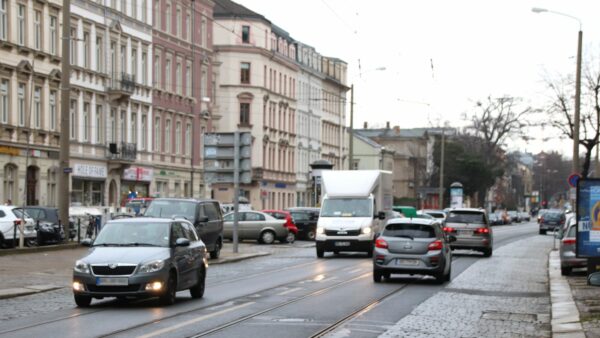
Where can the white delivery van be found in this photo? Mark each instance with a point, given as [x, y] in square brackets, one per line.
[355, 205]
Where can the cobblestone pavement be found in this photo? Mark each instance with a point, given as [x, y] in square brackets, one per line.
[587, 299]
[506, 295]
[55, 268]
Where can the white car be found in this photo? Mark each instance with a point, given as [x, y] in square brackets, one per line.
[10, 216]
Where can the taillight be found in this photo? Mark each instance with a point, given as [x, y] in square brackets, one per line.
[482, 231]
[437, 245]
[569, 241]
[562, 221]
[381, 243]
[449, 229]
[17, 222]
[541, 219]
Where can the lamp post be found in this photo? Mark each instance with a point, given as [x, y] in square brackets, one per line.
[351, 145]
[576, 119]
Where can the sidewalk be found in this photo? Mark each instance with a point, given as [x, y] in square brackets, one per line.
[565, 315]
[35, 270]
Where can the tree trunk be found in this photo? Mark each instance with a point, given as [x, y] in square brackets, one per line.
[586, 162]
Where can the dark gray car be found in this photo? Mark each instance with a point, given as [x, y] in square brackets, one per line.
[205, 215]
[472, 230]
[141, 257]
[412, 246]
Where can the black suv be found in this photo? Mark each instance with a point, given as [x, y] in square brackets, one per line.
[305, 220]
[204, 214]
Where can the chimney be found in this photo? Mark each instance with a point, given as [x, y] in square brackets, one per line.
[387, 125]
[365, 125]
[397, 130]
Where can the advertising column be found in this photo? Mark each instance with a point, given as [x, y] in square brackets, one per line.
[456, 195]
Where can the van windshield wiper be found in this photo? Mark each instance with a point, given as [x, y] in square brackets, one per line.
[138, 244]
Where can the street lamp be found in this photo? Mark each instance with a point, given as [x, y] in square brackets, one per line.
[351, 146]
[575, 165]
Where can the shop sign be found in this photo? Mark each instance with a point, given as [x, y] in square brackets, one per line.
[138, 174]
[89, 170]
[9, 150]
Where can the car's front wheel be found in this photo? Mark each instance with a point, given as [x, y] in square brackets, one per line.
[168, 297]
[311, 234]
[217, 251]
[197, 291]
[83, 301]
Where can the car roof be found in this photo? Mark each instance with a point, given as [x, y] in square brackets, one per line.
[407, 220]
[184, 199]
[302, 209]
[146, 220]
[467, 210]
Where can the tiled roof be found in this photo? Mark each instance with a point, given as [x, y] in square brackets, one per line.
[227, 8]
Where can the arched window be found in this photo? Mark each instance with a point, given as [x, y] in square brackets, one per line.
[10, 183]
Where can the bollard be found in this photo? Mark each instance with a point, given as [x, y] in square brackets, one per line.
[78, 230]
[38, 234]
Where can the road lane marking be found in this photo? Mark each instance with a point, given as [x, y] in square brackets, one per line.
[195, 320]
[355, 270]
[288, 291]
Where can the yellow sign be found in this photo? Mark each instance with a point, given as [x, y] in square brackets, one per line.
[9, 150]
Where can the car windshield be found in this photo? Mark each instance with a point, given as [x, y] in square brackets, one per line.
[466, 217]
[346, 207]
[436, 214]
[552, 216]
[19, 213]
[134, 233]
[169, 209]
[409, 231]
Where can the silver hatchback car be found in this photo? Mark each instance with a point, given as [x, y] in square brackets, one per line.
[412, 246]
[472, 230]
[568, 257]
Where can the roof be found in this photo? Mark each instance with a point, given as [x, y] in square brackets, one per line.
[230, 9]
[412, 220]
[144, 220]
[367, 140]
[182, 199]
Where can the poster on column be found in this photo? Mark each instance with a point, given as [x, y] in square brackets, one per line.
[588, 218]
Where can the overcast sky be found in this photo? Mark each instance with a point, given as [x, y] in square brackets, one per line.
[441, 56]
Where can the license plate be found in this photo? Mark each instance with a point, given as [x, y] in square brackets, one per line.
[411, 262]
[465, 232]
[552, 223]
[112, 281]
[342, 244]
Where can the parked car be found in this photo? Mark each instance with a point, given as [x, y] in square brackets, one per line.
[256, 225]
[439, 214]
[289, 223]
[472, 230]
[567, 249]
[514, 216]
[495, 219]
[11, 216]
[541, 213]
[46, 221]
[421, 214]
[205, 215]
[525, 217]
[407, 211]
[141, 257]
[413, 246]
[306, 221]
[552, 220]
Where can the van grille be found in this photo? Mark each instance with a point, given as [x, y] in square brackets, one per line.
[342, 232]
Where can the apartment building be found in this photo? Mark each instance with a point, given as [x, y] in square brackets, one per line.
[182, 94]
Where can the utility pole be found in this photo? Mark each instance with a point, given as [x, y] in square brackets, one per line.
[236, 189]
[193, 136]
[63, 175]
[441, 188]
[351, 147]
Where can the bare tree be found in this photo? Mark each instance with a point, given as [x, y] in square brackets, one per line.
[561, 110]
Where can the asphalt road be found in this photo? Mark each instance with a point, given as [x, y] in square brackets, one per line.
[288, 294]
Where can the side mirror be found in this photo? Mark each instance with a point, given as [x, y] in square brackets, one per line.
[451, 238]
[86, 242]
[381, 215]
[594, 279]
[182, 242]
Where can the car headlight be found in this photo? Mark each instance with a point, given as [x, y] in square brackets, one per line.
[366, 230]
[82, 267]
[152, 266]
[320, 230]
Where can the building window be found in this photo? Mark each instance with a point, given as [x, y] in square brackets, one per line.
[188, 139]
[37, 29]
[157, 131]
[157, 13]
[178, 78]
[37, 107]
[10, 183]
[52, 101]
[246, 34]
[168, 136]
[4, 101]
[168, 76]
[188, 26]
[21, 13]
[245, 72]
[178, 138]
[73, 117]
[99, 55]
[113, 58]
[168, 18]
[204, 81]
[178, 23]
[144, 68]
[53, 35]
[204, 33]
[3, 20]
[99, 124]
[134, 9]
[133, 128]
[21, 104]
[86, 53]
[143, 9]
[113, 125]
[123, 58]
[123, 8]
[144, 132]
[188, 79]
[245, 114]
[133, 62]
[122, 130]
[157, 70]
[86, 121]
[73, 46]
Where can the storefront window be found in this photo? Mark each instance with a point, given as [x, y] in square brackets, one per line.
[87, 192]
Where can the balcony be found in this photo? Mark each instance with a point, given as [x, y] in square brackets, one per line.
[121, 86]
[121, 152]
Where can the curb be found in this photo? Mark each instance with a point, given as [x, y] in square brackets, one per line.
[241, 257]
[17, 251]
[565, 315]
